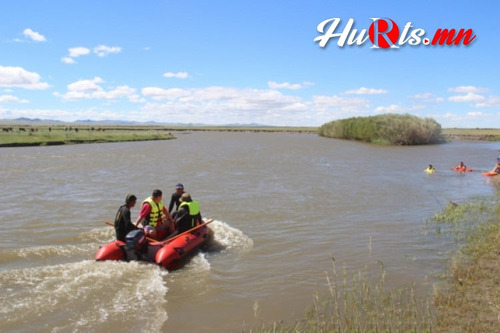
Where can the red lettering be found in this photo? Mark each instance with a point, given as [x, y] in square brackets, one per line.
[448, 36]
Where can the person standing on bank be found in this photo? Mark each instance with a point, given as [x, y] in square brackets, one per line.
[176, 197]
[188, 216]
[123, 222]
[154, 217]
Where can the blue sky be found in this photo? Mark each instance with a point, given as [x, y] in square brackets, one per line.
[226, 62]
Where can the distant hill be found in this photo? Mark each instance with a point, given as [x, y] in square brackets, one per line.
[24, 120]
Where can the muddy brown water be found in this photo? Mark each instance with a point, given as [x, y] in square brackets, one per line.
[282, 204]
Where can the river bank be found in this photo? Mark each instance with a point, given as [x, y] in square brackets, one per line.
[467, 299]
[23, 135]
[481, 134]
[47, 135]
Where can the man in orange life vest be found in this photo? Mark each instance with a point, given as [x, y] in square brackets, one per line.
[154, 217]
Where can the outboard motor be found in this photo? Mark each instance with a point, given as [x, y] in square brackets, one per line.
[135, 245]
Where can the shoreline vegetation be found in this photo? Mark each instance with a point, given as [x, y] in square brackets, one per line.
[385, 129]
[467, 298]
[23, 135]
[38, 134]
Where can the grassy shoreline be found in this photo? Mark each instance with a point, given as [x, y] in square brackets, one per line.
[40, 134]
[466, 300]
[21, 135]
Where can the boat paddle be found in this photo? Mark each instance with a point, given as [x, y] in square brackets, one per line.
[171, 239]
[184, 233]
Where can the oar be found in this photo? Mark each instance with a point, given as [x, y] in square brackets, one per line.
[149, 239]
[171, 239]
[185, 232]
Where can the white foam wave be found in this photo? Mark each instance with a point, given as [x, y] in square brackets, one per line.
[226, 237]
[74, 296]
[199, 263]
[100, 235]
[53, 250]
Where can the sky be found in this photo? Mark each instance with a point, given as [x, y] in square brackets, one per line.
[278, 63]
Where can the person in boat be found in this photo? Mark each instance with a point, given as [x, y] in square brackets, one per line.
[154, 217]
[430, 169]
[461, 167]
[175, 199]
[123, 222]
[188, 216]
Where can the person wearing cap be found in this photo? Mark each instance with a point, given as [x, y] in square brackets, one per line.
[154, 217]
[123, 222]
[176, 197]
[188, 215]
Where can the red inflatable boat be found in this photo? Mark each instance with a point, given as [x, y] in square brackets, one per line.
[168, 254]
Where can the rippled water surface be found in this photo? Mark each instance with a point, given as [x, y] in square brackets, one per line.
[282, 205]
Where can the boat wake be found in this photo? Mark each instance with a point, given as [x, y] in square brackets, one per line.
[74, 296]
[224, 237]
[62, 285]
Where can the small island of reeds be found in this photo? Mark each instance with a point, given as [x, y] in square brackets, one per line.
[386, 129]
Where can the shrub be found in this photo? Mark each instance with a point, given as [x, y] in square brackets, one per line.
[394, 129]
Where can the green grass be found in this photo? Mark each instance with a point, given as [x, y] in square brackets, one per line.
[58, 135]
[486, 134]
[386, 129]
[467, 299]
[40, 135]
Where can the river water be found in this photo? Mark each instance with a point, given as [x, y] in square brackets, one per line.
[282, 204]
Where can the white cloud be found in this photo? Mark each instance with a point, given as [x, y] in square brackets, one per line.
[468, 89]
[100, 51]
[103, 50]
[394, 108]
[489, 102]
[91, 89]
[223, 105]
[76, 52]
[19, 77]
[178, 75]
[33, 35]
[12, 99]
[366, 91]
[428, 98]
[469, 97]
[287, 85]
[68, 60]
[86, 85]
[329, 108]
[159, 94]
